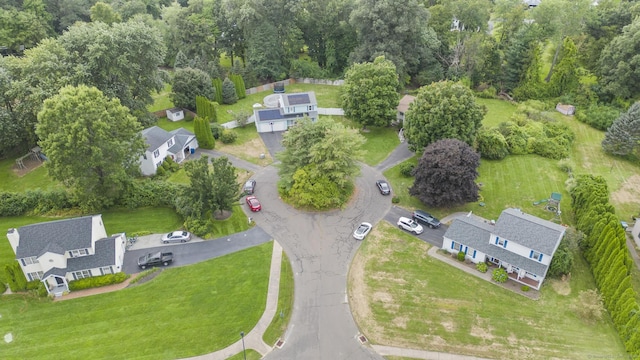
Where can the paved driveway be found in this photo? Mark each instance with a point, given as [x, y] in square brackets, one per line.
[321, 248]
[432, 236]
[194, 252]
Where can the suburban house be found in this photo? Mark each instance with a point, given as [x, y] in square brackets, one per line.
[57, 252]
[403, 106]
[288, 109]
[520, 243]
[177, 144]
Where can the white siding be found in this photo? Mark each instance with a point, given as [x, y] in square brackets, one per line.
[521, 250]
[51, 260]
[97, 231]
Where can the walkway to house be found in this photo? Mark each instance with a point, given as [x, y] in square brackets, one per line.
[94, 291]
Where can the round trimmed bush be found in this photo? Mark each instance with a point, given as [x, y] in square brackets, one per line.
[482, 267]
[406, 169]
[499, 275]
[461, 255]
[228, 136]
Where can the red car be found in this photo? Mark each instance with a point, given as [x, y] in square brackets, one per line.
[253, 203]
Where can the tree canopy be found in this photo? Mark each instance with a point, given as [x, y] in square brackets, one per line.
[369, 95]
[188, 83]
[326, 151]
[620, 63]
[446, 174]
[443, 110]
[623, 137]
[92, 142]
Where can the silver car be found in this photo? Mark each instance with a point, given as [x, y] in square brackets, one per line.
[362, 231]
[410, 225]
[176, 237]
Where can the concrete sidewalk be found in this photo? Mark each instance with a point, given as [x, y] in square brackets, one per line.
[253, 339]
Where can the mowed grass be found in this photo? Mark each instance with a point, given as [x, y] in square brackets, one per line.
[141, 220]
[35, 179]
[380, 141]
[498, 111]
[403, 297]
[183, 312]
[285, 304]
[161, 100]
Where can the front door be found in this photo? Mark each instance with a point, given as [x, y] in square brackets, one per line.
[59, 281]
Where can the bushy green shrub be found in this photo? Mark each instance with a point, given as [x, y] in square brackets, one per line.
[198, 227]
[525, 288]
[15, 276]
[97, 281]
[37, 288]
[228, 136]
[566, 165]
[34, 202]
[406, 169]
[148, 192]
[488, 93]
[492, 144]
[395, 199]
[302, 68]
[461, 255]
[598, 116]
[160, 172]
[3, 288]
[216, 130]
[482, 267]
[499, 275]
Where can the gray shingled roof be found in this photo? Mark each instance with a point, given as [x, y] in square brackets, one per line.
[477, 234]
[155, 136]
[55, 236]
[530, 231]
[182, 138]
[105, 255]
[276, 114]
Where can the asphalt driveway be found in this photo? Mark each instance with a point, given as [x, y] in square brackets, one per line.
[431, 236]
[194, 252]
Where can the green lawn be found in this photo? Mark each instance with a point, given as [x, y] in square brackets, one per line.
[184, 311]
[250, 355]
[498, 111]
[285, 304]
[35, 179]
[380, 140]
[141, 220]
[328, 96]
[234, 224]
[161, 100]
[408, 299]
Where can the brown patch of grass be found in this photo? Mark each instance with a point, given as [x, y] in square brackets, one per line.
[249, 151]
[629, 191]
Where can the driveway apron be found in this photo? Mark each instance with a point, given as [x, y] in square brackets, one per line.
[320, 247]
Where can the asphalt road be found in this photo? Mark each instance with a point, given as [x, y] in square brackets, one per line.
[321, 247]
[194, 252]
[432, 236]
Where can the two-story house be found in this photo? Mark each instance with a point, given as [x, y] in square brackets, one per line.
[290, 107]
[56, 252]
[521, 243]
[177, 144]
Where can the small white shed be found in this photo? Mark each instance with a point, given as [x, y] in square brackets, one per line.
[175, 114]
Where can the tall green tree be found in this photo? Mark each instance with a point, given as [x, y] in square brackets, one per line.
[203, 133]
[565, 79]
[121, 60]
[446, 174]
[518, 56]
[391, 28]
[443, 110]
[620, 63]
[196, 200]
[104, 12]
[21, 30]
[623, 137]
[325, 149]
[530, 85]
[225, 184]
[229, 94]
[92, 142]
[369, 95]
[188, 83]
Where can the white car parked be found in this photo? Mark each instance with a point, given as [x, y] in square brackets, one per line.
[362, 231]
[410, 225]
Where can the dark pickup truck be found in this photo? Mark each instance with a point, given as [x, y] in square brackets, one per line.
[155, 259]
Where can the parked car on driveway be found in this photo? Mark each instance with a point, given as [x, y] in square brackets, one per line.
[410, 225]
[249, 187]
[253, 203]
[362, 231]
[424, 217]
[155, 259]
[384, 187]
[176, 237]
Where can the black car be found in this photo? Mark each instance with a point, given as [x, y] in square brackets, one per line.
[384, 187]
[249, 187]
[426, 218]
[155, 259]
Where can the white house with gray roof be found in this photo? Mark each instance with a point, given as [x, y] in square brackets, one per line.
[177, 144]
[289, 108]
[521, 243]
[57, 252]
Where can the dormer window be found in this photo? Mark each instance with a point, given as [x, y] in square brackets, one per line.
[78, 253]
[535, 255]
[170, 142]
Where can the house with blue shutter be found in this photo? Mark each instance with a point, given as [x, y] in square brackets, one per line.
[285, 111]
[521, 243]
[178, 144]
[57, 252]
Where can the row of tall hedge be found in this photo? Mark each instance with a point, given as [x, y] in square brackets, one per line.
[604, 247]
[97, 281]
[139, 193]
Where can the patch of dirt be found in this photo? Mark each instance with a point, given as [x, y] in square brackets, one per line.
[29, 163]
[449, 326]
[250, 149]
[225, 214]
[562, 287]
[401, 322]
[629, 191]
[150, 276]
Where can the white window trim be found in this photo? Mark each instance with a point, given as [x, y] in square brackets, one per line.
[78, 253]
[106, 270]
[156, 153]
[170, 142]
[29, 260]
[82, 274]
[35, 275]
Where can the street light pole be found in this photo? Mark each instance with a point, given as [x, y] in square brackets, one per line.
[244, 352]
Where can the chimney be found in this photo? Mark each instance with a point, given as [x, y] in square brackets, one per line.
[14, 239]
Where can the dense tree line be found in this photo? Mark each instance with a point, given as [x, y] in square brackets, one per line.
[604, 246]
